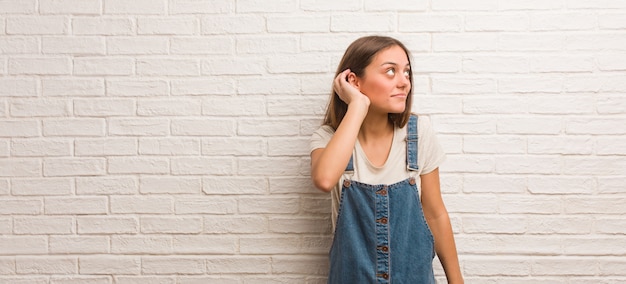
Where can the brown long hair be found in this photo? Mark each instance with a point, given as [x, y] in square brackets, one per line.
[357, 57]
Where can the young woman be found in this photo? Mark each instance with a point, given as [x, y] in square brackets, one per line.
[380, 164]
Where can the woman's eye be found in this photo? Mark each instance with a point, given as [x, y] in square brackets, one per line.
[391, 72]
[407, 73]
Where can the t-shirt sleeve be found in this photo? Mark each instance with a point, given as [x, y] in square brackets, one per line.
[431, 154]
[320, 137]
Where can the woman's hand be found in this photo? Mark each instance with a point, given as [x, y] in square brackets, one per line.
[347, 91]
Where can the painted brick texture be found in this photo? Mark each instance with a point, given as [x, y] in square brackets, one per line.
[166, 141]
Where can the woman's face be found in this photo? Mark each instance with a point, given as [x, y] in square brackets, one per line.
[386, 81]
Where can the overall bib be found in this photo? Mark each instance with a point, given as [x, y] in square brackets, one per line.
[381, 235]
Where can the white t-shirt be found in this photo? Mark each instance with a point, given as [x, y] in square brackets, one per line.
[429, 156]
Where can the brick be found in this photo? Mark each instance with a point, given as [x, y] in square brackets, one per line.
[494, 225]
[138, 165]
[531, 5]
[568, 21]
[136, 45]
[25, 280]
[513, 244]
[494, 184]
[374, 22]
[535, 84]
[308, 265]
[170, 185]
[561, 145]
[267, 86]
[495, 64]
[263, 127]
[203, 127]
[235, 224]
[273, 245]
[201, 244]
[561, 64]
[17, 245]
[530, 204]
[212, 86]
[78, 244]
[465, 125]
[497, 22]
[103, 66]
[60, 167]
[167, 26]
[141, 244]
[234, 66]
[7, 266]
[292, 185]
[24, 167]
[493, 105]
[202, 45]
[328, 5]
[46, 265]
[40, 66]
[104, 107]
[136, 88]
[6, 228]
[105, 147]
[608, 225]
[306, 105]
[505, 266]
[373, 5]
[594, 41]
[233, 24]
[294, 147]
[528, 165]
[80, 279]
[458, 85]
[103, 26]
[19, 45]
[202, 166]
[551, 225]
[239, 264]
[169, 146]
[455, 5]
[194, 7]
[259, 44]
[89, 7]
[138, 126]
[75, 205]
[266, 205]
[208, 279]
[293, 225]
[173, 265]
[234, 106]
[611, 146]
[38, 147]
[496, 144]
[171, 225]
[307, 63]
[234, 185]
[214, 205]
[598, 126]
[104, 264]
[18, 6]
[169, 107]
[140, 7]
[468, 164]
[445, 42]
[610, 184]
[80, 45]
[18, 87]
[436, 64]
[168, 67]
[19, 128]
[43, 226]
[611, 21]
[298, 24]
[141, 205]
[611, 62]
[107, 225]
[84, 127]
[106, 185]
[584, 245]
[252, 6]
[40, 25]
[530, 125]
[40, 108]
[531, 41]
[73, 87]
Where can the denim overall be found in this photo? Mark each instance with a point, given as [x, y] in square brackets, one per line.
[381, 234]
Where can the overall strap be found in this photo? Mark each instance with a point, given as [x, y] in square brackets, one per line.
[411, 144]
[350, 166]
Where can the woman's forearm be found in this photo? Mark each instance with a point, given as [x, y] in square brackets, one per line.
[446, 248]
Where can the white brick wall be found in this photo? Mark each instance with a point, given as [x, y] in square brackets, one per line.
[165, 141]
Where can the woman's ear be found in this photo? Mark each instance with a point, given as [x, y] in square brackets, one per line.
[353, 80]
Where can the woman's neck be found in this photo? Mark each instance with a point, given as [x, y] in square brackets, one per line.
[375, 127]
